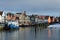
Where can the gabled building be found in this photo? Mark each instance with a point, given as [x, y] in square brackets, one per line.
[1, 17]
[51, 19]
[10, 16]
[23, 18]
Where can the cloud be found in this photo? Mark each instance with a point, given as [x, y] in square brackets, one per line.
[30, 5]
[42, 4]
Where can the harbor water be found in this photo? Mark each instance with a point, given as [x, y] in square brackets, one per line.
[31, 33]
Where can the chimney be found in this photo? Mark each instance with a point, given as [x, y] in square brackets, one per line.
[1, 12]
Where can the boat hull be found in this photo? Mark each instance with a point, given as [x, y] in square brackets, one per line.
[13, 26]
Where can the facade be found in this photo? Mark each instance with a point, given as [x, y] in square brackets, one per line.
[10, 16]
[23, 18]
[51, 19]
[1, 17]
[40, 19]
[32, 18]
[36, 19]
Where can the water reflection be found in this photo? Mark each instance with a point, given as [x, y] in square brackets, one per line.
[31, 33]
[49, 34]
[53, 34]
[59, 34]
[10, 35]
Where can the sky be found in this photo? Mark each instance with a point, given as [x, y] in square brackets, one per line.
[39, 7]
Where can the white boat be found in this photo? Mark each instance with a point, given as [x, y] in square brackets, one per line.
[13, 24]
[54, 26]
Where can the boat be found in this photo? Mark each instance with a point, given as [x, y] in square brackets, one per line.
[11, 25]
[54, 26]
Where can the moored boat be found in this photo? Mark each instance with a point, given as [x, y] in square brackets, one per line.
[54, 26]
[12, 25]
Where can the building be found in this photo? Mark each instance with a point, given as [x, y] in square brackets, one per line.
[1, 17]
[32, 18]
[10, 16]
[23, 18]
[51, 19]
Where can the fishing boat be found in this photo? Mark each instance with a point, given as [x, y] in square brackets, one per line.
[12, 25]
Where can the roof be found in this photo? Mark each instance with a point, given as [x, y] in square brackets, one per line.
[18, 13]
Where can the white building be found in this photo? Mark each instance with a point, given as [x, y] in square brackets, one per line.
[2, 17]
